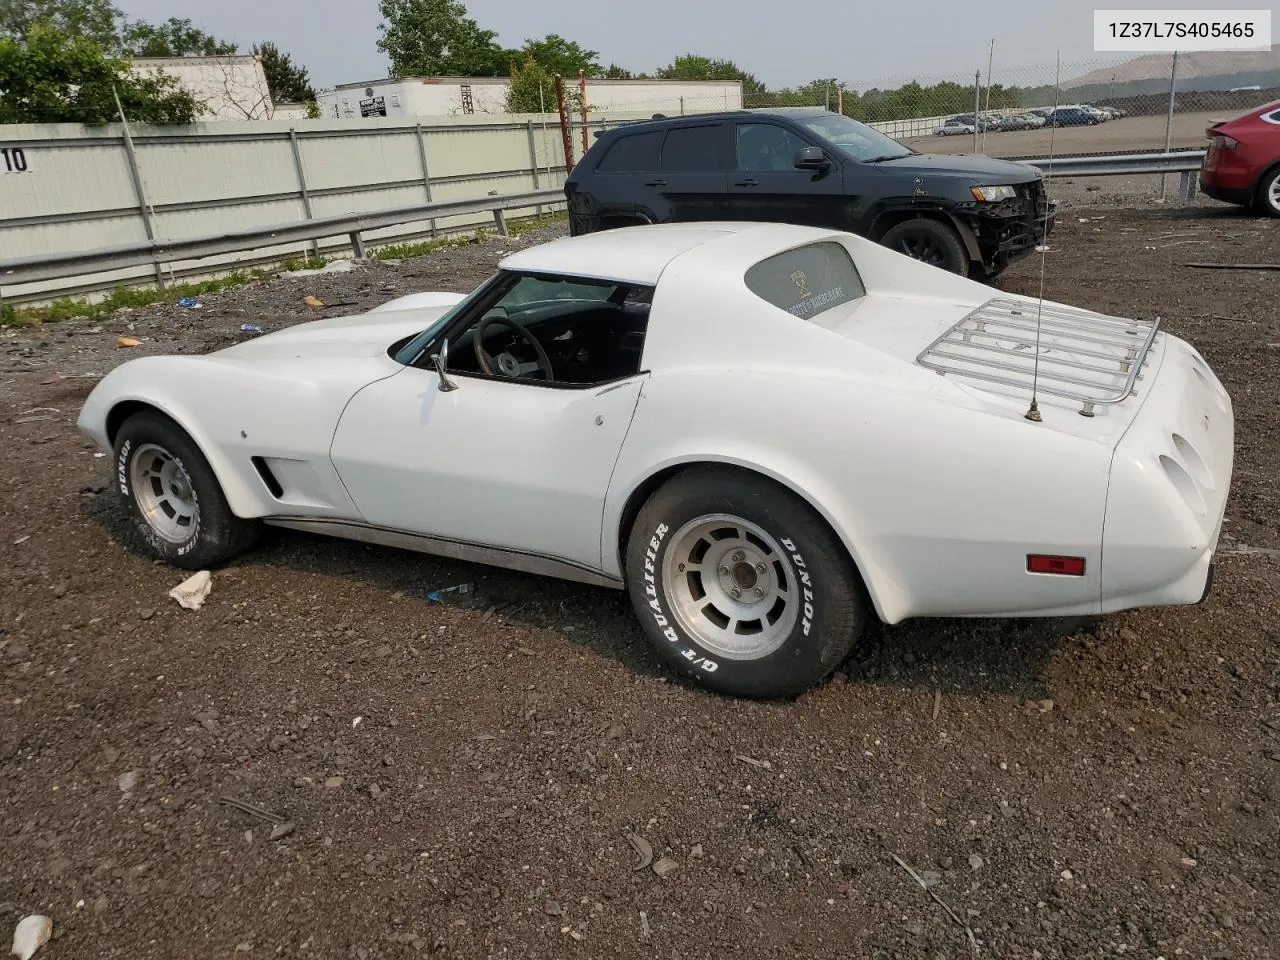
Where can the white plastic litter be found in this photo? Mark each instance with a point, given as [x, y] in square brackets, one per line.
[30, 935]
[190, 593]
[337, 266]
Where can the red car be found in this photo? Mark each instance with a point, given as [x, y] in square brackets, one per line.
[1242, 164]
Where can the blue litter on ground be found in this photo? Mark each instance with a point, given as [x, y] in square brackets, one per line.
[250, 328]
[190, 302]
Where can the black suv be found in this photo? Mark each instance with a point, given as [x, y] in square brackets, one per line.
[966, 214]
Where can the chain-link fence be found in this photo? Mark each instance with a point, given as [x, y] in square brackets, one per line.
[1102, 105]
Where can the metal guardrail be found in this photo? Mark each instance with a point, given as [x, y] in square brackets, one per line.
[1109, 165]
[1185, 163]
[21, 270]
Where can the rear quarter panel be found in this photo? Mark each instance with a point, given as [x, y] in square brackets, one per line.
[937, 495]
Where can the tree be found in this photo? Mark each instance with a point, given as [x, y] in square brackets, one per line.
[532, 88]
[98, 20]
[692, 66]
[615, 72]
[173, 38]
[436, 38]
[53, 75]
[564, 57]
[285, 79]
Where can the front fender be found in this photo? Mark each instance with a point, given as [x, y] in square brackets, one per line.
[145, 381]
[282, 409]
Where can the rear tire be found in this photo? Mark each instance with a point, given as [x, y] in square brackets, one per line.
[174, 495]
[741, 586]
[1269, 193]
[931, 242]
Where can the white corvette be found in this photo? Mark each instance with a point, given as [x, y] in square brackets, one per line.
[766, 433]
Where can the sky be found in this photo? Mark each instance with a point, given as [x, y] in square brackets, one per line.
[856, 41]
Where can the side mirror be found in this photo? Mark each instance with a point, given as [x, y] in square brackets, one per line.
[441, 362]
[812, 158]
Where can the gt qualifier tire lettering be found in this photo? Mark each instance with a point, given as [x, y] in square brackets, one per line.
[655, 605]
[806, 622]
[194, 541]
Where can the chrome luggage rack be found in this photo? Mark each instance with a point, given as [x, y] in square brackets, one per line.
[1089, 357]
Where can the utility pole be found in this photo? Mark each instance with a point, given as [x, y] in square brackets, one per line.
[1168, 124]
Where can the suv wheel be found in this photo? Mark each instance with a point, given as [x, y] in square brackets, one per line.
[931, 242]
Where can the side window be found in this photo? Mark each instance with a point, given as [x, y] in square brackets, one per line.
[1272, 117]
[693, 149]
[764, 146]
[554, 331]
[633, 154]
[807, 280]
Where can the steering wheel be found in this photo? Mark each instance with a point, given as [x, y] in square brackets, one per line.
[505, 363]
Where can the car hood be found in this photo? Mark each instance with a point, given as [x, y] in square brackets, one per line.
[984, 170]
[361, 335]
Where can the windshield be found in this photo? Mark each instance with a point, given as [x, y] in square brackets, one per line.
[856, 139]
[411, 352]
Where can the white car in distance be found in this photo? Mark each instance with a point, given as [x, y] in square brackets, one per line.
[768, 434]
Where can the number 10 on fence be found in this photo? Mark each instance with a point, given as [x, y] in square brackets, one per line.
[13, 160]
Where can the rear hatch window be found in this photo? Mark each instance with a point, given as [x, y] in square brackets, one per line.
[808, 280]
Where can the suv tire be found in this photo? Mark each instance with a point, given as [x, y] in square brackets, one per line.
[929, 241]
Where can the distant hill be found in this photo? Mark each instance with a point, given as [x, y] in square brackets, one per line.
[1219, 66]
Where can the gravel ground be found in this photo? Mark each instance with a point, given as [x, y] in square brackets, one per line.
[460, 778]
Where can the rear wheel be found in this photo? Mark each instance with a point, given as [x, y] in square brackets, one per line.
[174, 495]
[1269, 193]
[741, 586]
[931, 242]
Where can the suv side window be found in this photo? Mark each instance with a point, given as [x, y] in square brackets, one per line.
[766, 146]
[693, 149]
[636, 153]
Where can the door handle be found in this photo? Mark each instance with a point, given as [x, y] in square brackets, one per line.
[746, 183]
[655, 183]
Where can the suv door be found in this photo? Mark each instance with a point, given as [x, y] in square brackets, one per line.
[692, 178]
[767, 187]
[611, 194]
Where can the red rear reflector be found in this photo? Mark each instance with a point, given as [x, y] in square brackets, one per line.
[1063, 566]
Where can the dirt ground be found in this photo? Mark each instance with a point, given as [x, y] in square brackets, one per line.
[1126, 133]
[460, 776]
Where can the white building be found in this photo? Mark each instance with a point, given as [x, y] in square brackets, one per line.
[231, 88]
[447, 96]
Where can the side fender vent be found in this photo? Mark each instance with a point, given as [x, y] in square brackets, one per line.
[268, 477]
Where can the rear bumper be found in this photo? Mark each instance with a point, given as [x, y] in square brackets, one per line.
[1169, 481]
[1215, 188]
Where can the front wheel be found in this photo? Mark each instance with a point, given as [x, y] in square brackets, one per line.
[174, 496]
[1269, 194]
[931, 242]
[741, 586]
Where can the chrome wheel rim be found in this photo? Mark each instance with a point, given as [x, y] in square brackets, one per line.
[731, 587]
[1273, 194]
[164, 494]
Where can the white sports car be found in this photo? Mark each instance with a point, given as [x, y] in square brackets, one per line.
[767, 433]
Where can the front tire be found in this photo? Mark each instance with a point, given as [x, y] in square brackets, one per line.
[741, 586]
[1269, 194]
[931, 242]
[174, 496]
